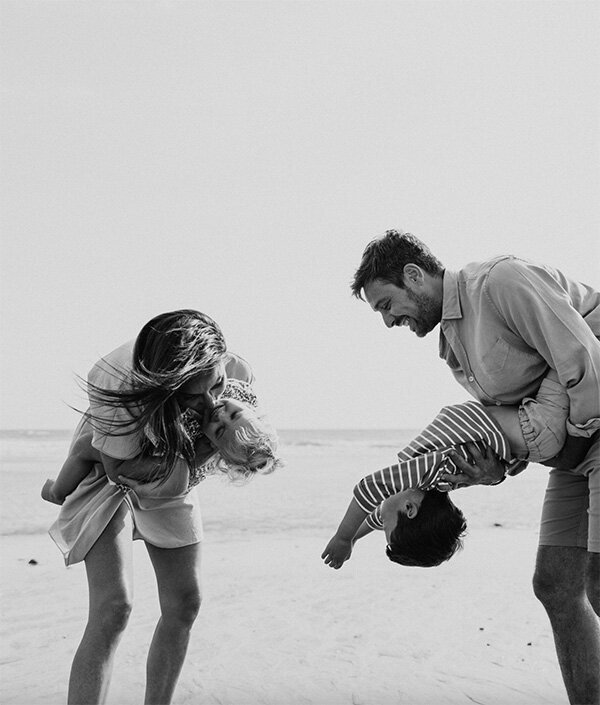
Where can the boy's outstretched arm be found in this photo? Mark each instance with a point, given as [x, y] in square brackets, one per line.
[339, 548]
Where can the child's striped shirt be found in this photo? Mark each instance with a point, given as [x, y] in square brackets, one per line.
[423, 461]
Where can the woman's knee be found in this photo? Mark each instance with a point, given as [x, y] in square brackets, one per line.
[111, 615]
[182, 606]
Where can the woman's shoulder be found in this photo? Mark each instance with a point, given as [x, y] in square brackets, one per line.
[110, 370]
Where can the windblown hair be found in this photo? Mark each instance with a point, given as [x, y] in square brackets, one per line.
[170, 350]
[251, 451]
[432, 536]
[385, 258]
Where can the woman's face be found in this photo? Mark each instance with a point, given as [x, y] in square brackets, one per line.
[226, 418]
[201, 392]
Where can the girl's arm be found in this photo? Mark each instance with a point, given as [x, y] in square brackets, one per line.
[76, 467]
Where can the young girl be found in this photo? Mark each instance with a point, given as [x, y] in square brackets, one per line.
[409, 500]
[244, 442]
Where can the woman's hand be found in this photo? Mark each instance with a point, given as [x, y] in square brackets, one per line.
[337, 552]
[175, 485]
[486, 469]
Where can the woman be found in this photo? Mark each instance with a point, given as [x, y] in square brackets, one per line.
[140, 396]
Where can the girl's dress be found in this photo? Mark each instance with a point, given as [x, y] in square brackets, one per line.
[167, 515]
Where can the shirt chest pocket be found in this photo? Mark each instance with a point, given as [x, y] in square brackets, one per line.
[507, 367]
[495, 358]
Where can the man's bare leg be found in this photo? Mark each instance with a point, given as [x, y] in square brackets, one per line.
[561, 584]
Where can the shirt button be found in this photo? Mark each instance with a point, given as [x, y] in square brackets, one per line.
[471, 379]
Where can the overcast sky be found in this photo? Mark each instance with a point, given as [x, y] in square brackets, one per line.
[236, 157]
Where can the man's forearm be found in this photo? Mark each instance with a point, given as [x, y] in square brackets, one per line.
[573, 452]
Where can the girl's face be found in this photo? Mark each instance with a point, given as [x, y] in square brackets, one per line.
[201, 392]
[226, 418]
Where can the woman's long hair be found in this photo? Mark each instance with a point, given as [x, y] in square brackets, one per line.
[170, 350]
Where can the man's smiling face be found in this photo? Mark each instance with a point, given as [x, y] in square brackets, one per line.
[412, 306]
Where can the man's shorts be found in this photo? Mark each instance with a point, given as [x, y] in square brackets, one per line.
[571, 511]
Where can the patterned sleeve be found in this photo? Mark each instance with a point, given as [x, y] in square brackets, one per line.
[426, 457]
[374, 519]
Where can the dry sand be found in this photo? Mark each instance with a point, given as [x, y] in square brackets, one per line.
[278, 627]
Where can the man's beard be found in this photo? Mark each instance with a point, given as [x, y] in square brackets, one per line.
[429, 312]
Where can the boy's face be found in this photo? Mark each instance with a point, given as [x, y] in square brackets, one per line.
[407, 502]
[226, 418]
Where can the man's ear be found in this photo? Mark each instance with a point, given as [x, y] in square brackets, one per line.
[413, 274]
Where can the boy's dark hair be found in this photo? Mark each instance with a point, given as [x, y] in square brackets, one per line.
[385, 258]
[432, 536]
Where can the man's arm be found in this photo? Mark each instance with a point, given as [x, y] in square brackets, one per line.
[572, 453]
[537, 304]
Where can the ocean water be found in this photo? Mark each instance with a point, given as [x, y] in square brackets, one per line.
[28, 457]
[310, 493]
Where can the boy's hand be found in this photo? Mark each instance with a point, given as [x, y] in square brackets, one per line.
[337, 552]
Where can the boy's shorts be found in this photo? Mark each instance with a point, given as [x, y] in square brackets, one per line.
[544, 421]
[571, 511]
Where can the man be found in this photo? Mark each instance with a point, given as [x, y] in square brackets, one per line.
[504, 324]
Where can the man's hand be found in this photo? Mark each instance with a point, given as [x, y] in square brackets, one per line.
[486, 469]
[337, 552]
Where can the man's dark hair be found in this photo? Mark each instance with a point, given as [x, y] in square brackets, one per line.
[385, 258]
[432, 536]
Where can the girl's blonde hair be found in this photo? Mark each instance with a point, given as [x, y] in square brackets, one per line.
[251, 450]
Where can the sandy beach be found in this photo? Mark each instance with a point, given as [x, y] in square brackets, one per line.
[278, 627]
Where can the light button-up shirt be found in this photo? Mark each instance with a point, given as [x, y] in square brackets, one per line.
[506, 321]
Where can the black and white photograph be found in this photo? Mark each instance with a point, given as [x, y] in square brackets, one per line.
[300, 352]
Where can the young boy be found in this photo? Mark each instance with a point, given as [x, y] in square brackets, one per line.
[409, 500]
[244, 444]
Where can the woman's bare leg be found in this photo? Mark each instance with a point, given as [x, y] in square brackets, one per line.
[108, 566]
[178, 578]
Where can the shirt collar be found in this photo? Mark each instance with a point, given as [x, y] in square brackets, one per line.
[451, 307]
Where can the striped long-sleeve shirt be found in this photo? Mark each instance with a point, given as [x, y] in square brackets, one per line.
[423, 460]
